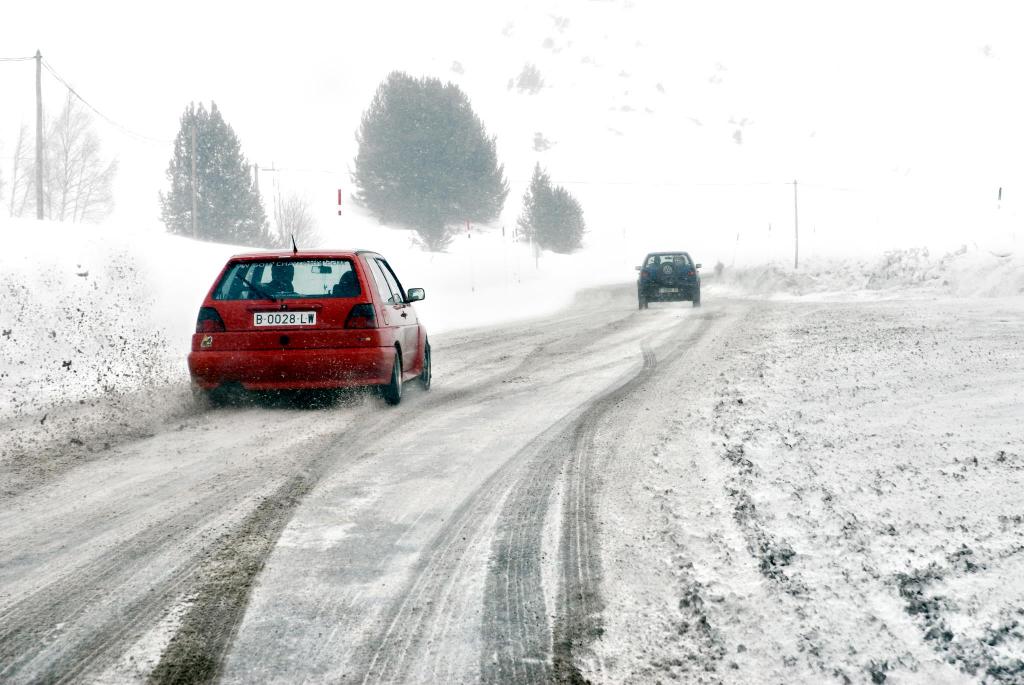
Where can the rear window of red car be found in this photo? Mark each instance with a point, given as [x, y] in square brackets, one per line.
[291, 278]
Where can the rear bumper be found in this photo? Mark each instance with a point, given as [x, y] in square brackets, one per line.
[685, 293]
[292, 369]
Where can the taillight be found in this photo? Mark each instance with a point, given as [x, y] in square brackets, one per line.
[692, 272]
[209, 321]
[361, 316]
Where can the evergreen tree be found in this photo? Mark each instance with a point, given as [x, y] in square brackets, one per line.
[228, 207]
[551, 216]
[536, 200]
[425, 159]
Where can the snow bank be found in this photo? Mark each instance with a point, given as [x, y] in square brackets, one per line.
[94, 310]
[973, 272]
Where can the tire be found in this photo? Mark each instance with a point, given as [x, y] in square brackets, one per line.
[220, 396]
[641, 301]
[201, 398]
[393, 390]
[426, 375]
[696, 298]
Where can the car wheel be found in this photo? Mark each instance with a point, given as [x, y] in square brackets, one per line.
[426, 375]
[393, 390]
[641, 300]
[696, 298]
[217, 397]
[201, 397]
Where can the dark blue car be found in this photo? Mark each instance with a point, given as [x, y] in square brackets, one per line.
[668, 277]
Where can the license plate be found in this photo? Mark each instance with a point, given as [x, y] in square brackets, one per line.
[284, 319]
[670, 290]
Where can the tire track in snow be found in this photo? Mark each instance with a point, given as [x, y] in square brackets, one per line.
[431, 602]
[78, 624]
[38, 620]
[519, 644]
[517, 637]
[201, 643]
[198, 649]
[580, 605]
[31, 626]
[424, 611]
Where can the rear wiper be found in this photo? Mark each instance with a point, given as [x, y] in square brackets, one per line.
[259, 290]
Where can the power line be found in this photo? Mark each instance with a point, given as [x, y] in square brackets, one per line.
[103, 116]
[15, 59]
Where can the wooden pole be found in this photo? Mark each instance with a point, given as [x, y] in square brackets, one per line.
[796, 231]
[195, 201]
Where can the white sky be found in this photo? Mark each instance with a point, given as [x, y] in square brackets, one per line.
[901, 120]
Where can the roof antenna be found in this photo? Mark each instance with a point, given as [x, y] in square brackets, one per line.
[295, 250]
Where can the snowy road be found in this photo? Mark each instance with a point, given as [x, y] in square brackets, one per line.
[744, 492]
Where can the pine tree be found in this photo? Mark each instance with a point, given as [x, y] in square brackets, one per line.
[425, 159]
[536, 200]
[229, 208]
[551, 216]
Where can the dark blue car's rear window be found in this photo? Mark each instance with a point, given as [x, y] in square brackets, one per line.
[675, 258]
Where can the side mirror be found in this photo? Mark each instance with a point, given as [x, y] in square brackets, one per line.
[698, 266]
[416, 294]
[638, 268]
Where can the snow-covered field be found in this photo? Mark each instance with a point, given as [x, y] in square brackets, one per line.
[966, 272]
[837, 500]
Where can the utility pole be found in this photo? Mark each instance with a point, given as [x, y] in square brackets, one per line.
[195, 201]
[796, 231]
[39, 135]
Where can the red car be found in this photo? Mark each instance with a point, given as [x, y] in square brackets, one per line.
[309, 320]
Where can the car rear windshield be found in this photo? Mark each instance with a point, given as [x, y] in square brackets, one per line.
[289, 278]
[656, 259]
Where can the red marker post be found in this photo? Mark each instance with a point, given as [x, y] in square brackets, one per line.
[339, 201]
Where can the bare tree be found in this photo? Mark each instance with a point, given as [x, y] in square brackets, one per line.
[293, 216]
[22, 177]
[76, 181]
